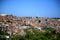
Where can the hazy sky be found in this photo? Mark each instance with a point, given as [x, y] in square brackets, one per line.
[42, 8]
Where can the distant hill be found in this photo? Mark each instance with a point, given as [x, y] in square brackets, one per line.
[55, 18]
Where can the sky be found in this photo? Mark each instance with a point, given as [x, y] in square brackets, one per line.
[40, 8]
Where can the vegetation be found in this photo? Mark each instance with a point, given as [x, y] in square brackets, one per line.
[18, 37]
[50, 34]
[2, 34]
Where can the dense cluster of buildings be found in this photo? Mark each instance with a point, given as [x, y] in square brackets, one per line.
[15, 25]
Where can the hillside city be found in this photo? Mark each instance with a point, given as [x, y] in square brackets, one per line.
[16, 25]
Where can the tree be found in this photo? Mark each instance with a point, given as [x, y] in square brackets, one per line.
[36, 35]
[18, 37]
[2, 34]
